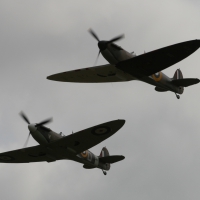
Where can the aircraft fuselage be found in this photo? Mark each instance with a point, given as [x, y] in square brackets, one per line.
[44, 136]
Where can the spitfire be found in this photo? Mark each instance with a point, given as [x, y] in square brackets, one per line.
[54, 146]
[125, 66]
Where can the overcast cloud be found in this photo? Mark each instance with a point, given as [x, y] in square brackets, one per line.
[161, 138]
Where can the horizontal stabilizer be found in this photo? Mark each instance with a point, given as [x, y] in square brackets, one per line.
[159, 89]
[185, 82]
[88, 166]
[111, 159]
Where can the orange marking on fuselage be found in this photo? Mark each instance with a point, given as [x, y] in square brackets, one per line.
[84, 154]
[157, 78]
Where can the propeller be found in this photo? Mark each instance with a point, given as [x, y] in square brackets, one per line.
[110, 41]
[103, 44]
[97, 58]
[44, 122]
[36, 125]
[116, 38]
[25, 145]
[24, 117]
[93, 34]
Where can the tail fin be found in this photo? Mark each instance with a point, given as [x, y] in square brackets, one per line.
[178, 74]
[104, 152]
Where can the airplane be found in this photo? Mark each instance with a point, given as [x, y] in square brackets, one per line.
[125, 66]
[54, 146]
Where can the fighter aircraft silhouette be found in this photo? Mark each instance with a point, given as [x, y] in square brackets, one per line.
[54, 146]
[125, 66]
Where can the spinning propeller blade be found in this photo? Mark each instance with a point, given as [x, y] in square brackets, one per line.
[25, 145]
[44, 122]
[93, 34]
[116, 39]
[24, 117]
[97, 58]
[28, 122]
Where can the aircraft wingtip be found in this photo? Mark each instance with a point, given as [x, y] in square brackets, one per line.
[55, 78]
[122, 121]
[198, 42]
[50, 78]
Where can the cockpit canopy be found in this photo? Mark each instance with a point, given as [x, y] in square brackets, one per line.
[61, 134]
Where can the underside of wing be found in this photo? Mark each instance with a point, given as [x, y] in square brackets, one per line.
[85, 139]
[99, 74]
[26, 155]
[155, 61]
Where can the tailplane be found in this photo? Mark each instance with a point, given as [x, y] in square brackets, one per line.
[111, 159]
[105, 157]
[179, 81]
[186, 82]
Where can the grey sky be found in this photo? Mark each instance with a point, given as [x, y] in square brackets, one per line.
[160, 140]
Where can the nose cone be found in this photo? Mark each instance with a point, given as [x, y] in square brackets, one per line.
[102, 45]
[32, 127]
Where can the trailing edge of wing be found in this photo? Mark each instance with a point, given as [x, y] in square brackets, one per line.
[155, 61]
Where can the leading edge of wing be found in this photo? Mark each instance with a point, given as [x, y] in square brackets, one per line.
[87, 138]
[160, 59]
[97, 74]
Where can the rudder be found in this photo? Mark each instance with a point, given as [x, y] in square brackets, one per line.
[104, 152]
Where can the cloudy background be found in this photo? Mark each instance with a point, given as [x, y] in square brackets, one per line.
[161, 137]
